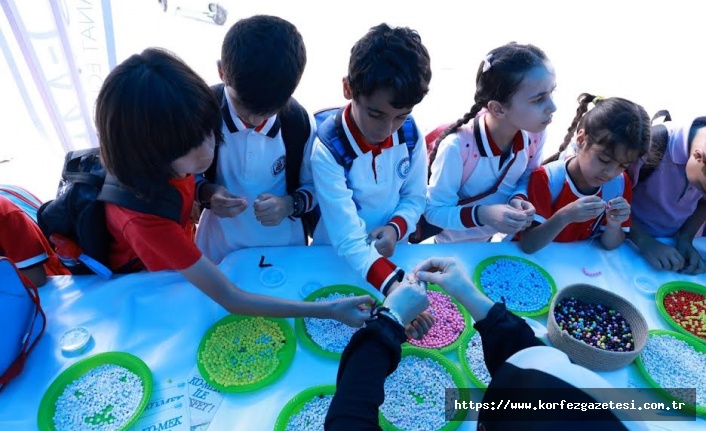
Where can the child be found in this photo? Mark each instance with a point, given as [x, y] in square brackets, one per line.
[158, 124]
[575, 198]
[669, 196]
[512, 107]
[256, 201]
[24, 244]
[370, 204]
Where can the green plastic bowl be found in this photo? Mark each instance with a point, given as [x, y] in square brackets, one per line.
[285, 355]
[552, 285]
[457, 377]
[300, 327]
[465, 366]
[701, 348]
[47, 407]
[674, 286]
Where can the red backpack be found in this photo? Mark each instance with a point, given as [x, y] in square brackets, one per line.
[21, 318]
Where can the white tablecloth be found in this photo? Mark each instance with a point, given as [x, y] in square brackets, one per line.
[161, 318]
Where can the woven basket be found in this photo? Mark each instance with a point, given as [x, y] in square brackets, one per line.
[584, 354]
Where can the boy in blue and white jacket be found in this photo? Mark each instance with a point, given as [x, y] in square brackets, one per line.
[369, 159]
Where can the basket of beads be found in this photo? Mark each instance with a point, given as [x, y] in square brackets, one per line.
[596, 328]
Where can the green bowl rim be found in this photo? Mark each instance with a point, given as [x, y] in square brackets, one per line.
[457, 376]
[464, 362]
[286, 355]
[699, 347]
[300, 327]
[47, 406]
[673, 286]
[466, 318]
[552, 284]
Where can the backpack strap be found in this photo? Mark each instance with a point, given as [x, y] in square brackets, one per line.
[34, 332]
[659, 139]
[613, 188]
[331, 133]
[556, 173]
[167, 204]
[408, 134]
[296, 129]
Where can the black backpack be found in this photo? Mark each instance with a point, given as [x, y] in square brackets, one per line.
[296, 129]
[78, 212]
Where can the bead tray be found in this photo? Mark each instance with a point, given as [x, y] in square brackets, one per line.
[47, 406]
[699, 410]
[466, 318]
[458, 379]
[465, 366]
[674, 286]
[552, 284]
[300, 327]
[298, 402]
[285, 355]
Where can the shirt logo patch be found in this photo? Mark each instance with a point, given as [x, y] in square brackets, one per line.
[403, 168]
[278, 166]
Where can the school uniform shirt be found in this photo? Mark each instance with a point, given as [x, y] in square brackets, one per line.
[23, 242]
[460, 223]
[251, 163]
[540, 196]
[665, 200]
[146, 241]
[382, 186]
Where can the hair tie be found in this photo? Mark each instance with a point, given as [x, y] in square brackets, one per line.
[486, 62]
[597, 99]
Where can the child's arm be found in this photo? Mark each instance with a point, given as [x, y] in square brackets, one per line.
[617, 214]
[345, 229]
[209, 279]
[694, 262]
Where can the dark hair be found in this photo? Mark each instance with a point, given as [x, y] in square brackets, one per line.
[508, 65]
[151, 110]
[612, 123]
[263, 59]
[391, 59]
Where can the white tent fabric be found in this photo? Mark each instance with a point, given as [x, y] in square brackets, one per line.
[67, 48]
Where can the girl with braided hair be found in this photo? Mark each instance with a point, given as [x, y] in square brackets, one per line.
[589, 194]
[480, 165]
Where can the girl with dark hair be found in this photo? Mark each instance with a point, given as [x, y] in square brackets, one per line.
[589, 194]
[479, 169]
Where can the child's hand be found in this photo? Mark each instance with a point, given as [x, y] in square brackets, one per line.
[693, 262]
[224, 204]
[385, 239]
[617, 212]
[419, 326]
[663, 257]
[526, 207]
[270, 210]
[353, 311]
[408, 300]
[583, 209]
[503, 218]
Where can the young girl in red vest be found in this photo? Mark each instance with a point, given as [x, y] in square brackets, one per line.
[588, 194]
[158, 124]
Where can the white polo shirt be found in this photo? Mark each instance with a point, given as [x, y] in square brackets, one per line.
[251, 163]
[369, 196]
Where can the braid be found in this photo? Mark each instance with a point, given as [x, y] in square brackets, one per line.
[584, 100]
[475, 109]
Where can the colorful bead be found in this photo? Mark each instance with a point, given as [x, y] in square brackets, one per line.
[331, 335]
[688, 310]
[476, 360]
[448, 322]
[105, 398]
[312, 414]
[594, 324]
[522, 287]
[243, 352]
